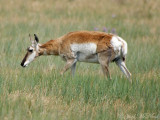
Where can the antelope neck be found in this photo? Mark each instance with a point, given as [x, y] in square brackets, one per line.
[49, 48]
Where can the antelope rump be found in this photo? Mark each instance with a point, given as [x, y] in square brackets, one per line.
[82, 46]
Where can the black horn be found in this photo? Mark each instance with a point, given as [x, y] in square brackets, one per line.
[36, 38]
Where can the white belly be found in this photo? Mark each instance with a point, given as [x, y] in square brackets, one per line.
[85, 52]
[82, 57]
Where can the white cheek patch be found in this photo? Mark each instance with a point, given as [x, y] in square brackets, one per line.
[87, 48]
[30, 58]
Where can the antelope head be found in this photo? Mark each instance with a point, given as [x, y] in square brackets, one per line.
[32, 51]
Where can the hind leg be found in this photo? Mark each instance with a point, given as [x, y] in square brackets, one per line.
[121, 64]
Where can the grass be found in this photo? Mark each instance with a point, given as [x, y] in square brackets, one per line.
[39, 92]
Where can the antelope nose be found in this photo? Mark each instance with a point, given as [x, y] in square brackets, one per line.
[22, 64]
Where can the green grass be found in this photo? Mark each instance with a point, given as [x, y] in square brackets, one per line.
[40, 92]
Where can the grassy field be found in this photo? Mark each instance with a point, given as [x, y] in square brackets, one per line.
[38, 92]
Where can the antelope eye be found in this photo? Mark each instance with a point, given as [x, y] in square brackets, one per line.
[30, 50]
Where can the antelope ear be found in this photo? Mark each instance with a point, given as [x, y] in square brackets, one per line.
[30, 37]
[33, 41]
[36, 38]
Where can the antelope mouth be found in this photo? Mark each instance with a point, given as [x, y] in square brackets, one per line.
[23, 65]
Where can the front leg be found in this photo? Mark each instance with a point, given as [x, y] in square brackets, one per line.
[69, 64]
[104, 58]
[73, 69]
[106, 72]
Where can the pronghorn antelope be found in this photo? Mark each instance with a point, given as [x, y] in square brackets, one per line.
[82, 46]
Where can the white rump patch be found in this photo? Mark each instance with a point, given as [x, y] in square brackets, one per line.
[124, 49]
[119, 45]
[87, 48]
[116, 45]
